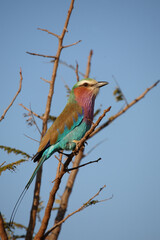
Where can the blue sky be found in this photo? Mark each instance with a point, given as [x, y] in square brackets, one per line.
[125, 37]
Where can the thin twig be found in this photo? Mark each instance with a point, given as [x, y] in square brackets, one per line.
[20, 86]
[70, 169]
[45, 80]
[31, 138]
[27, 109]
[34, 121]
[45, 30]
[71, 66]
[40, 55]
[70, 45]
[88, 69]
[94, 147]
[88, 203]
[77, 76]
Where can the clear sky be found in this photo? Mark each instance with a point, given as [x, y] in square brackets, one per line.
[125, 38]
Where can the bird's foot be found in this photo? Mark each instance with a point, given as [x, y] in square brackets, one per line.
[77, 143]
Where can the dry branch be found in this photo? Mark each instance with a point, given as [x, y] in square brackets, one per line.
[71, 66]
[76, 71]
[30, 111]
[40, 55]
[45, 118]
[65, 197]
[88, 69]
[74, 168]
[45, 30]
[20, 86]
[72, 44]
[88, 203]
[45, 80]
[111, 119]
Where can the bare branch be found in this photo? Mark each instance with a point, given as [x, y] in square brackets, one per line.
[31, 138]
[46, 115]
[88, 203]
[27, 109]
[111, 119]
[40, 55]
[20, 86]
[71, 66]
[70, 45]
[34, 121]
[45, 30]
[45, 80]
[88, 69]
[77, 72]
[70, 169]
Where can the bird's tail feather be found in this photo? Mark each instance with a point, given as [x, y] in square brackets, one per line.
[43, 158]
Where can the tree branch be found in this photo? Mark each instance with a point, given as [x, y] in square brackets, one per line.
[76, 70]
[65, 197]
[46, 115]
[111, 119]
[45, 30]
[88, 203]
[40, 55]
[74, 168]
[71, 66]
[20, 86]
[70, 45]
[45, 80]
[27, 109]
[88, 69]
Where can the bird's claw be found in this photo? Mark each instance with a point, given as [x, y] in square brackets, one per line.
[77, 143]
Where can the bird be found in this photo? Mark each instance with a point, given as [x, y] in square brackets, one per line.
[68, 128]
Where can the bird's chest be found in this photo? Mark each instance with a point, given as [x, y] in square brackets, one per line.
[67, 143]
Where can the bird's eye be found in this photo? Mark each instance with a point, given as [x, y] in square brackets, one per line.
[85, 84]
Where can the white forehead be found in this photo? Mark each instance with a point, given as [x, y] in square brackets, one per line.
[89, 81]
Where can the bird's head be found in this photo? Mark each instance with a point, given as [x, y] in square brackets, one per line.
[87, 87]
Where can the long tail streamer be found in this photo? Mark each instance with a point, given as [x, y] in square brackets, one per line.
[43, 158]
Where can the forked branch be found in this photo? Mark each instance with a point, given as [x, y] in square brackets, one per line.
[86, 204]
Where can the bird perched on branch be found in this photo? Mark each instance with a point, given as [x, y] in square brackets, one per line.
[69, 127]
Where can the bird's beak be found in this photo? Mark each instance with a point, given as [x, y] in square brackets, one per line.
[101, 84]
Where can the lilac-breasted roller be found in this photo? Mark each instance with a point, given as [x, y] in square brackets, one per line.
[69, 127]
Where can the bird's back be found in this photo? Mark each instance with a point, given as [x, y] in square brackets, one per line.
[71, 116]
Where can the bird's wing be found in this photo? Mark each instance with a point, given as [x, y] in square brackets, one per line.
[71, 117]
